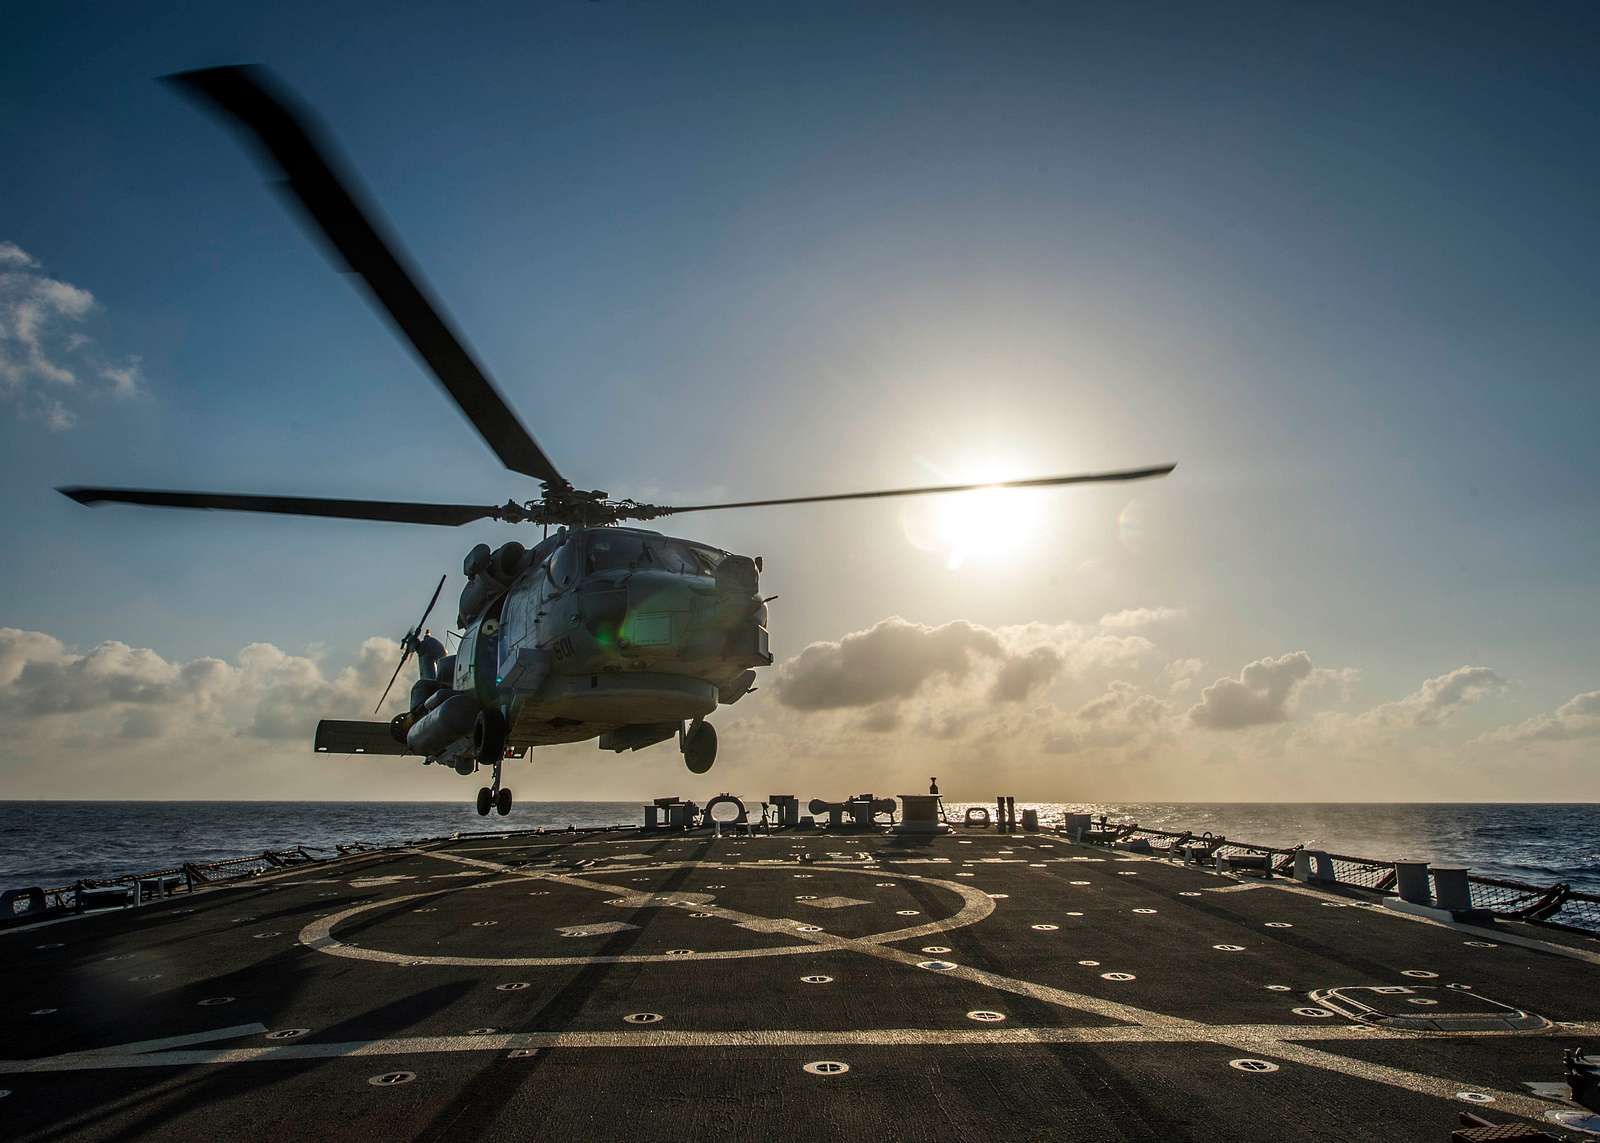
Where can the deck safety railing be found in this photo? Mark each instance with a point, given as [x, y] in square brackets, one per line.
[137, 888]
[1557, 905]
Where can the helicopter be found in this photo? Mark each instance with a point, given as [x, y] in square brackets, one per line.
[599, 630]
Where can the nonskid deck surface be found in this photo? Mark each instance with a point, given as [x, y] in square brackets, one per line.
[672, 986]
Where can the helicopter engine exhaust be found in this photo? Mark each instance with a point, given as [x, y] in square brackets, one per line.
[449, 722]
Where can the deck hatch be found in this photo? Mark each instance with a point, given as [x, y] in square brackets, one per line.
[1426, 1008]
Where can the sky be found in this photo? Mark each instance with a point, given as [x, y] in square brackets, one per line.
[1341, 265]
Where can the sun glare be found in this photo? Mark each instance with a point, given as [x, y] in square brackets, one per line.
[979, 527]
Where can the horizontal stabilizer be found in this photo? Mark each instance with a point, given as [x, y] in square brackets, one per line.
[335, 736]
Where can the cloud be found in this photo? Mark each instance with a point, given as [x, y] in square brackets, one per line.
[1140, 617]
[1261, 694]
[1122, 714]
[14, 257]
[890, 660]
[1180, 674]
[135, 692]
[1438, 699]
[1578, 717]
[43, 351]
[895, 660]
[1023, 674]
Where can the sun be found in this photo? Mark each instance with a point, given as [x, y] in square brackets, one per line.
[985, 526]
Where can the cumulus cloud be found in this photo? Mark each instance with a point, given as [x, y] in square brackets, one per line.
[44, 354]
[890, 660]
[1140, 617]
[1180, 674]
[1438, 699]
[1021, 675]
[1120, 715]
[895, 659]
[1578, 717]
[134, 692]
[1261, 694]
[14, 257]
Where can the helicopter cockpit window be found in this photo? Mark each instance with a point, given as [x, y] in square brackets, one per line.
[621, 551]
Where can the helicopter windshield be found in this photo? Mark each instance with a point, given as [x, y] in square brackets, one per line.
[624, 551]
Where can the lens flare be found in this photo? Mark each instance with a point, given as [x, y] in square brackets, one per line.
[985, 526]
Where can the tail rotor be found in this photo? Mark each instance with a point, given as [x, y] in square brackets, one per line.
[408, 644]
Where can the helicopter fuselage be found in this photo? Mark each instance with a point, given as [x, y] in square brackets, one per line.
[619, 634]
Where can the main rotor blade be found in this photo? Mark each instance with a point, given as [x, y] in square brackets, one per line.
[1035, 482]
[309, 166]
[396, 512]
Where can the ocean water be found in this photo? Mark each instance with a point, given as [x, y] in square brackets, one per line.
[57, 843]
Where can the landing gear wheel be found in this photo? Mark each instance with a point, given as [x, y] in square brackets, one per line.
[502, 801]
[489, 737]
[398, 726]
[484, 799]
[700, 747]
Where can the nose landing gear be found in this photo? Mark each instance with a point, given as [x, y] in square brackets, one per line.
[699, 746]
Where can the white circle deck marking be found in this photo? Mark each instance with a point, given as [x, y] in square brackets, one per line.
[643, 1018]
[1046, 928]
[512, 986]
[286, 1033]
[213, 1001]
[976, 906]
[816, 980]
[936, 949]
[43, 1011]
[1279, 925]
[1419, 973]
[1144, 910]
[1090, 963]
[826, 1067]
[935, 965]
[481, 1031]
[1474, 1097]
[1228, 948]
[1117, 976]
[1315, 1013]
[984, 1016]
[908, 912]
[1480, 944]
[1249, 1065]
[1279, 988]
[1188, 893]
